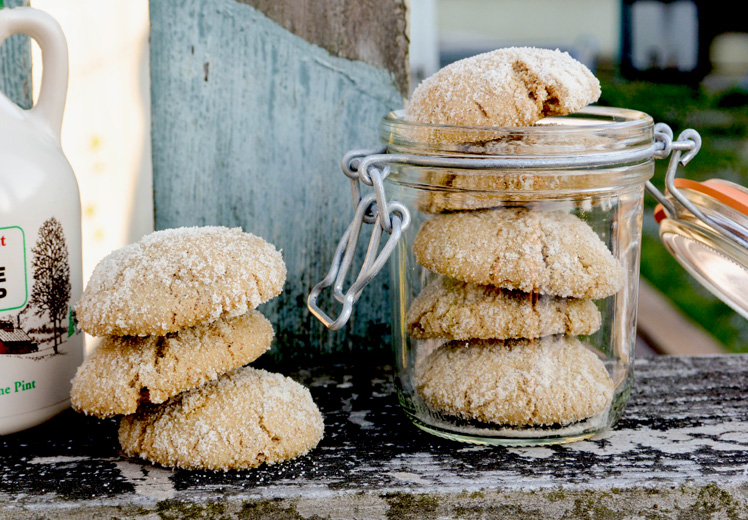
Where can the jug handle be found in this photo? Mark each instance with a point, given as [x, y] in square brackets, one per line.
[48, 34]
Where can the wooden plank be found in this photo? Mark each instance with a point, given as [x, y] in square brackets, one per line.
[680, 450]
[15, 64]
[667, 330]
[249, 124]
[374, 32]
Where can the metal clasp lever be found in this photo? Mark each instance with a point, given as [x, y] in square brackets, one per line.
[393, 220]
[684, 149]
[689, 141]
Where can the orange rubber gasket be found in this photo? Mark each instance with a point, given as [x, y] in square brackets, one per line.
[736, 199]
[659, 213]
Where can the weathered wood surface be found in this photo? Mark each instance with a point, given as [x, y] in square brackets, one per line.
[15, 64]
[371, 31]
[679, 451]
[249, 124]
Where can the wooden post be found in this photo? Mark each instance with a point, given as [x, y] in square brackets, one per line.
[250, 122]
[15, 64]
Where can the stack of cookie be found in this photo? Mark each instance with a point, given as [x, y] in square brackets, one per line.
[177, 323]
[516, 283]
[517, 288]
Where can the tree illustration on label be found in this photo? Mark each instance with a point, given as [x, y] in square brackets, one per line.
[50, 294]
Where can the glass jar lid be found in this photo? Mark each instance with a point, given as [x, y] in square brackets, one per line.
[706, 230]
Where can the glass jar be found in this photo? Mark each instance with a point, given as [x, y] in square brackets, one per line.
[515, 268]
[515, 286]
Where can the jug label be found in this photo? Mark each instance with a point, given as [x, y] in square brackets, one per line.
[14, 291]
[40, 347]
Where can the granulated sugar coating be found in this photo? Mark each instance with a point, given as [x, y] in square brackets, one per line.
[178, 278]
[241, 420]
[448, 308]
[462, 191]
[514, 86]
[552, 253]
[126, 371]
[554, 380]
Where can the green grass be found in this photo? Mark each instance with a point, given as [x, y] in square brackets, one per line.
[721, 118]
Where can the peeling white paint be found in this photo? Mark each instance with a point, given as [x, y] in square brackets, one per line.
[60, 459]
[404, 476]
[473, 448]
[359, 417]
[673, 442]
[149, 481]
[533, 453]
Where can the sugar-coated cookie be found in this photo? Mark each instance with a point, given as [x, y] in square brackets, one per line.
[553, 253]
[553, 380]
[177, 278]
[241, 420]
[479, 190]
[449, 308]
[124, 372]
[515, 86]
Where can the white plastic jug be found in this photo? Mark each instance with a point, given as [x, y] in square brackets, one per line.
[40, 240]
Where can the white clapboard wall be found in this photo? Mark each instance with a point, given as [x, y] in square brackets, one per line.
[253, 107]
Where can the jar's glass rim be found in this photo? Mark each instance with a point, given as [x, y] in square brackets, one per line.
[591, 131]
[589, 119]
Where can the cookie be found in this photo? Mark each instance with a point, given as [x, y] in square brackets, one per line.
[470, 189]
[177, 278]
[449, 308]
[554, 380]
[553, 253]
[515, 86]
[124, 372]
[241, 420]
[464, 192]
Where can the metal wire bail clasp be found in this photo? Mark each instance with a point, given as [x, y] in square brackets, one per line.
[371, 168]
[683, 150]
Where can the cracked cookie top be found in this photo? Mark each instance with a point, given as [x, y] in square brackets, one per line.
[548, 252]
[244, 418]
[177, 278]
[515, 86]
[449, 308]
[554, 380]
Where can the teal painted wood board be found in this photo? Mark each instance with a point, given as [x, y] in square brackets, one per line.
[249, 125]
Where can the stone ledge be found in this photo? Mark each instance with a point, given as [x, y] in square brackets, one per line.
[679, 451]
